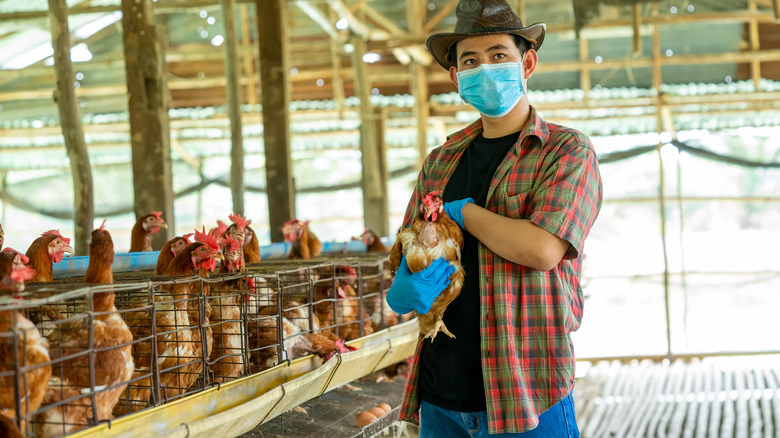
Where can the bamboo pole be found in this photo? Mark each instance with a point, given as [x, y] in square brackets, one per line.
[585, 70]
[72, 131]
[636, 24]
[442, 14]
[335, 61]
[232, 72]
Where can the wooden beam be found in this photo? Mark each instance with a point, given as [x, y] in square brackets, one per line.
[72, 131]
[147, 94]
[335, 59]
[317, 16]
[657, 79]
[275, 92]
[375, 200]
[233, 72]
[776, 9]
[418, 53]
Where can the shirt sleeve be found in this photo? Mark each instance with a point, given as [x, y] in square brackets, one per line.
[569, 197]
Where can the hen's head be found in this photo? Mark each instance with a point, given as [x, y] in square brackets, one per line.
[368, 237]
[101, 246]
[238, 228]
[179, 243]
[431, 206]
[14, 282]
[231, 251]
[19, 259]
[206, 255]
[293, 229]
[58, 245]
[153, 221]
[248, 235]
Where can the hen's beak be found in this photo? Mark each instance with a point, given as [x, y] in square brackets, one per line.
[68, 249]
[218, 256]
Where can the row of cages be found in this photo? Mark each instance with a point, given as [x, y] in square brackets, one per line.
[66, 365]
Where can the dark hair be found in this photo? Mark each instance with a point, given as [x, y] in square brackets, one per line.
[522, 45]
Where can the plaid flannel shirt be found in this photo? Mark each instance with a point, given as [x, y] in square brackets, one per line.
[550, 177]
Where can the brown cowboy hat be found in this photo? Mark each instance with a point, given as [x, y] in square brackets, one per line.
[482, 17]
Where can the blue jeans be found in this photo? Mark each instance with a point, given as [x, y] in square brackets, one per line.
[556, 422]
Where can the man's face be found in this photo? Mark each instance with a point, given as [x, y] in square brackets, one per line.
[491, 49]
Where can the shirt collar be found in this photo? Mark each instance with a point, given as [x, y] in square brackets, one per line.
[535, 127]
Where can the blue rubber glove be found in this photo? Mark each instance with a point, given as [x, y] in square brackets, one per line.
[417, 290]
[454, 210]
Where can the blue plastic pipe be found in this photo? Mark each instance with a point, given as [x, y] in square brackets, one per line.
[147, 261]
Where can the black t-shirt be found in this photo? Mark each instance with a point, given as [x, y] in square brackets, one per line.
[451, 369]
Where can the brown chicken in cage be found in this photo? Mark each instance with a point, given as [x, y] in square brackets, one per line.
[337, 304]
[251, 246]
[433, 235]
[110, 349]
[169, 251]
[305, 244]
[32, 350]
[46, 250]
[145, 226]
[300, 336]
[227, 360]
[178, 329]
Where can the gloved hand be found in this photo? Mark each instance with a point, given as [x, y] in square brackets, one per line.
[454, 210]
[417, 290]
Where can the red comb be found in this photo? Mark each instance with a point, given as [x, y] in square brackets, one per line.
[220, 230]
[22, 257]
[103, 225]
[208, 239]
[22, 274]
[158, 215]
[350, 271]
[239, 220]
[187, 236]
[56, 233]
[231, 243]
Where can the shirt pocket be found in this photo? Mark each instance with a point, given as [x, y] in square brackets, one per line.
[517, 206]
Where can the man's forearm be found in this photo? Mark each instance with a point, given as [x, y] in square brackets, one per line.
[517, 240]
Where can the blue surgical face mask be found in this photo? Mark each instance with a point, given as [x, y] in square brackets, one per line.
[493, 89]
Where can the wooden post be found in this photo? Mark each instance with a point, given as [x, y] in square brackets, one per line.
[755, 46]
[232, 74]
[415, 13]
[275, 92]
[148, 104]
[375, 205]
[72, 131]
[335, 60]
[636, 24]
[248, 58]
[584, 70]
[657, 79]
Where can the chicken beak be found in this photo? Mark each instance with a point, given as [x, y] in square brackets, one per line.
[218, 256]
[68, 249]
[163, 225]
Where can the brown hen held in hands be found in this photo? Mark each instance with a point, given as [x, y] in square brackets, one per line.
[433, 235]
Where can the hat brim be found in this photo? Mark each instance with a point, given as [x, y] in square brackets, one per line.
[439, 44]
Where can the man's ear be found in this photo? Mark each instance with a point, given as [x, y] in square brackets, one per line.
[529, 63]
[454, 76]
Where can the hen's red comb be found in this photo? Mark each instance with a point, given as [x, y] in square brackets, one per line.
[291, 222]
[187, 236]
[22, 257]
[239, 220]
[231, 243]
[349, 270]
[57, 233]
[158, 215]
[220, 230]
[102, 226]
[207, 238]
[22, 274]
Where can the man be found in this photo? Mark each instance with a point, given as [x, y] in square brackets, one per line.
[525, 192]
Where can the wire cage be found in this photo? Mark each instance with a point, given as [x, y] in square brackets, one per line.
[73, 356]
